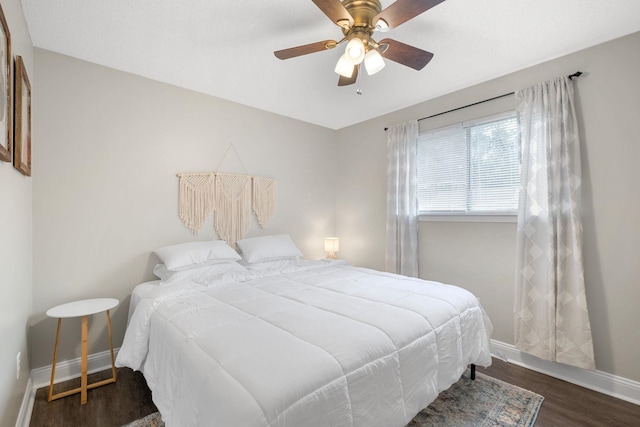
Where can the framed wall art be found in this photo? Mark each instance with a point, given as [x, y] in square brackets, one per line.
[22, 133]
[6, 110]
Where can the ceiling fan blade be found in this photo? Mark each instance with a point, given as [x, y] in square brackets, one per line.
[405, 54]
[292, 52]
[336, 12]
[346, 81]
[403, 10]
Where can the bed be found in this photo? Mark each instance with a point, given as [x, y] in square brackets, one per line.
[279, 341]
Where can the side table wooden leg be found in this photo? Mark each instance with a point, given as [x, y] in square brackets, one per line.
[83, 365]
[113, 360]
[53, 366]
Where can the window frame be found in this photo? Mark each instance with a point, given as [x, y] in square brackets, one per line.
[471, 216]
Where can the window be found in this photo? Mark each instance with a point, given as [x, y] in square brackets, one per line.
[472, 168]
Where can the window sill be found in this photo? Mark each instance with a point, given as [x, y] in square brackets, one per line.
[468, 218]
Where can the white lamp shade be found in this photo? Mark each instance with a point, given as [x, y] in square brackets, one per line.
[373, 62]
[331, 244]
[354, 51]
[344, 67]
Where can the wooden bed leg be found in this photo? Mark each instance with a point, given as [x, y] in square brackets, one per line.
[473, 371]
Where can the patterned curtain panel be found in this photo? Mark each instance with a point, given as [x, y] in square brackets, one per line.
[551, 317]
[401, 253]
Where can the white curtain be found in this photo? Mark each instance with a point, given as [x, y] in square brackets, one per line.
[401, 253]
[551, 317]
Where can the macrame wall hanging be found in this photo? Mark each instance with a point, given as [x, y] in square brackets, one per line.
[196, 199]
[264, 199]
[232, 216]
[229, 197]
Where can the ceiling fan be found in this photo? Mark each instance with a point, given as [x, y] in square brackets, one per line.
[359, 19]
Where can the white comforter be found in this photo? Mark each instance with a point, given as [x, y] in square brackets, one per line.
[320, 345]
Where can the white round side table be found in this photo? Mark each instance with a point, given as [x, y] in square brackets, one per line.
[84, 309]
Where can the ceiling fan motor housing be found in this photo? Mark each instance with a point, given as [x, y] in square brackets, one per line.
[363, 12]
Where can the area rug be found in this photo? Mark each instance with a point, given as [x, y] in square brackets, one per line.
[485, 402]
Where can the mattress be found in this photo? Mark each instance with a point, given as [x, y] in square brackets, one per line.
[139, 292]
[317, 345]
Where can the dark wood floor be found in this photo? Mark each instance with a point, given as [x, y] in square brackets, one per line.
[111, 405]
[566, 404]
[129, 398]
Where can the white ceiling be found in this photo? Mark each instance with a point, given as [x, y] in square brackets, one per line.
[225, 47]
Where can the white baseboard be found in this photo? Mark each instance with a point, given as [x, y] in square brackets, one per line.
[66, 370]
[24, 416]
[71, 368]
[603, 382]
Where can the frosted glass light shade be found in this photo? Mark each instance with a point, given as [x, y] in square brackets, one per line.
[354, 51]
[331, 246]
[373, 62]
[344, 67]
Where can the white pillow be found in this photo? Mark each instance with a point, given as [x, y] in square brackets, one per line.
[258, 249]
[188, 255]
[197, 273]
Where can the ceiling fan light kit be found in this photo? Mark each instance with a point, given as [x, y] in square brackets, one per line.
[373, 62]
[344, 67]
[354, 51]
[359, 19]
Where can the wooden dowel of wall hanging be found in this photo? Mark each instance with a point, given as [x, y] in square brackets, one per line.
[194, 173]
[212, 173]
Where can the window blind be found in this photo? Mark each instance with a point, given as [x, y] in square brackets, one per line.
[470, 168]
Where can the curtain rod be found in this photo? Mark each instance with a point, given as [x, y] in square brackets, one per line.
[576, 74]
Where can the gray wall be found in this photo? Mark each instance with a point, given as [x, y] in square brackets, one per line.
[480, 256]
[15, 249]
[105, 189]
